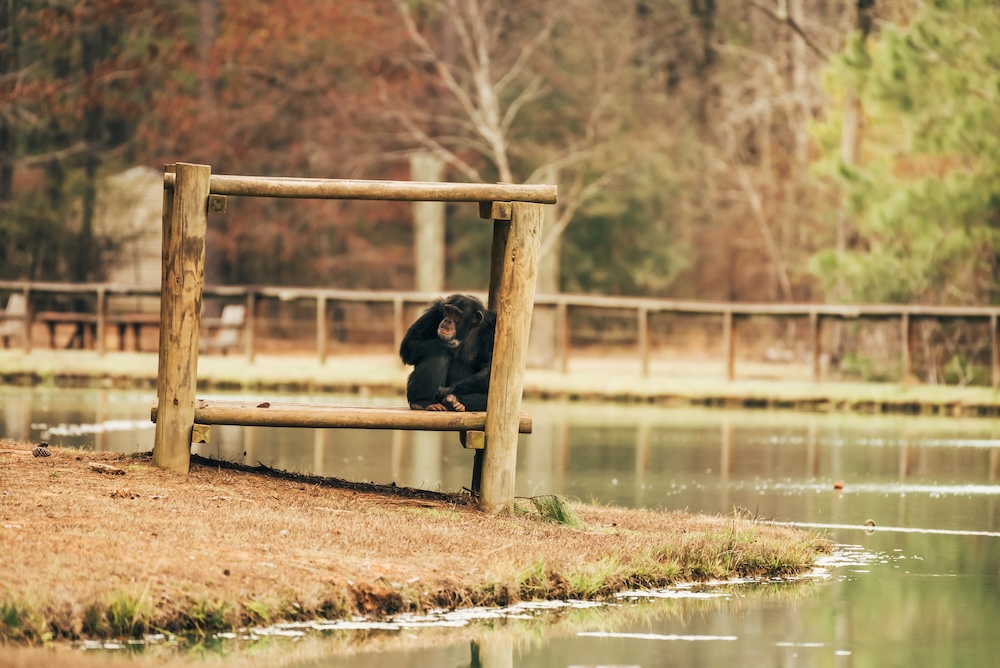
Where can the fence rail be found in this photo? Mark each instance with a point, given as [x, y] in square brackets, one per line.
[729, 314]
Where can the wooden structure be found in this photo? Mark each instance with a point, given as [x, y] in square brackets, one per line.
[191, 191]
[642, 309]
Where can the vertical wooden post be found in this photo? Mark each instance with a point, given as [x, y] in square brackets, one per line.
[500, 214]
[398, 330]
[907, 354]
[995, 349]
[102, 320]
[185, 223]
[29, 316]
[514, 299]
[816, 343]
[321, 328]
[249, 344]
[562, 315]
[643, 325]
[729, 344]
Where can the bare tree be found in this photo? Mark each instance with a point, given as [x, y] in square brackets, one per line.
[498, 78]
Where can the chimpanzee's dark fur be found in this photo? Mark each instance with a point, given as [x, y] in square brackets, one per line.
[451, 349]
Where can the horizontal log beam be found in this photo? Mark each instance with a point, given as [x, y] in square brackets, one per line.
[287, 414]
[408, 191]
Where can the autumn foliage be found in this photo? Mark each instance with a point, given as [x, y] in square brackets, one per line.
[682, 135]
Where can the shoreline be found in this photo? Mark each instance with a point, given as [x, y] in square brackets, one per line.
[129, 548]
[596, 379]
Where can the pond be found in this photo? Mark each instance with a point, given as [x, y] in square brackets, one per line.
[921, 588]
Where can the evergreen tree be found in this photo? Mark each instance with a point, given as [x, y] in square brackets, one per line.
[925, 195]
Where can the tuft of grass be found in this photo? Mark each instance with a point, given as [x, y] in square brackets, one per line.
[20, 622]
[596, 580]
[533, 582]
[127, 615]
[259, 611]
[94, 623]
[205, 616]
[556, 509]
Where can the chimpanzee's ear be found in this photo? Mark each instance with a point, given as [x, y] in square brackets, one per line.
[477, 317]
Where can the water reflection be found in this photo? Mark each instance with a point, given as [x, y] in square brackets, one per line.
[924, 599]
[895, 471]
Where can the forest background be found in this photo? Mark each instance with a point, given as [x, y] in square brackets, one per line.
[748, 150]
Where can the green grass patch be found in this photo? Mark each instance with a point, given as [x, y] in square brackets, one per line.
[205, 616]
[128, 615]
[21, 623]
[552, 508]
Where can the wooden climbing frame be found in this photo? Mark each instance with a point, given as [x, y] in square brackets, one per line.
[191, 191]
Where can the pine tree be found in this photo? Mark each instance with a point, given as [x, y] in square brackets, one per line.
[925, 195]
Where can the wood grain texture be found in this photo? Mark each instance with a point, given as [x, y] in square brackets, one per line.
[514, 300]
[185, 225]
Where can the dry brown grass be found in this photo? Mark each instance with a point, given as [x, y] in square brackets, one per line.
[87, 553]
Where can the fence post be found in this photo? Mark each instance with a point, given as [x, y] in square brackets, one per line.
[398, 328]
[321, 327]
[102, 320]
[905, 335]
[729, 343]
[994, 351]
[816, 343]
[643, 326]
[563, 341]
[249, 344]
[29, 316]
[513, 300]
[185, 223]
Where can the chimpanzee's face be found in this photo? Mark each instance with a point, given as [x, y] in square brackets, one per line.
[450, 324]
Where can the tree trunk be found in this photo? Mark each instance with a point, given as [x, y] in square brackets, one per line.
[428, 226]
[542, 342]
[8, 65]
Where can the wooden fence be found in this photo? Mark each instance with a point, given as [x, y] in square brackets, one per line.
[729, 315]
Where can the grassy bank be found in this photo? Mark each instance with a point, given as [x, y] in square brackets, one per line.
[97, 553]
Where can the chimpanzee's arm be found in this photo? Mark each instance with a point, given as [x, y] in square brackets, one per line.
[479, 381]
[427, 376]
[421, 338]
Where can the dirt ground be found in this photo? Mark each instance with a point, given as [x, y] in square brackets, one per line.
[108, 545]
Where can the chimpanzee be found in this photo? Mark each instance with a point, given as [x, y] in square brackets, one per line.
[451, 349]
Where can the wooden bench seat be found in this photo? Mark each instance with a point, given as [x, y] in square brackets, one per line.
[85, 326]
[85, 330]
[292, 414]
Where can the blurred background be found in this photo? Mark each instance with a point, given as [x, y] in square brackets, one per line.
[810, 151]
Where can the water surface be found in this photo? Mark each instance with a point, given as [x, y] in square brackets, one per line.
[921, 589]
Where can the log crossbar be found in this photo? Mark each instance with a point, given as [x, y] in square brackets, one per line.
[404, 191]
[322, 416]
